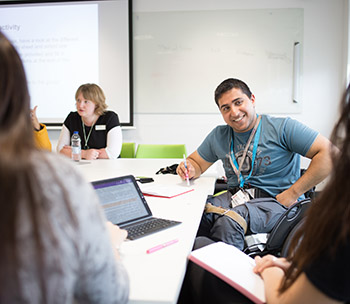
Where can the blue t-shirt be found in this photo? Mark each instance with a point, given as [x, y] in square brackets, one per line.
[277, 162]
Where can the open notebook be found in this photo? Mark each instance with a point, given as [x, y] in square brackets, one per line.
[232, 266]
[168, 191]
[125, 206]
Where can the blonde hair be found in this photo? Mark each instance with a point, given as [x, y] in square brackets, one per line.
[93, 92]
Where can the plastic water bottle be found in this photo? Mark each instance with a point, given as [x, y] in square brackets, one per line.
[76, 146]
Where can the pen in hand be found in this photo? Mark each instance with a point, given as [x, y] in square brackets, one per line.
[187, 178]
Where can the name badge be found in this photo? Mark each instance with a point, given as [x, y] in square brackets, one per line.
[100, 127]
[239, 198]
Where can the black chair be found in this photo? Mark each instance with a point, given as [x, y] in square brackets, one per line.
[278, 240]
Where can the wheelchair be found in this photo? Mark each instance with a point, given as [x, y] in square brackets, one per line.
[277, 242]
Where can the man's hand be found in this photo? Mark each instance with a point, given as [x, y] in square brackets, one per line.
[183, 172]
[196, 165]
[287, 198]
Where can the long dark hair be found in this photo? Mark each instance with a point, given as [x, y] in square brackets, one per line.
[327, 224]
[20, 188]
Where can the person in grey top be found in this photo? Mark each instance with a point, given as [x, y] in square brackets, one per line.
[56, 245]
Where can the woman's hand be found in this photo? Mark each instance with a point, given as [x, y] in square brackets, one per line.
[117, 236]
[90, 154]
[67, 151]
[270, 261]
[35, 120]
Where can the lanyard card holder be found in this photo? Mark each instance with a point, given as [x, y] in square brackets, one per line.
[239, 198]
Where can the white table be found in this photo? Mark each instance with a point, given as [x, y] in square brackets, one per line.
[157, 277]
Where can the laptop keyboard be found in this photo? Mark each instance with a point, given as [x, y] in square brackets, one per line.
[147, 227]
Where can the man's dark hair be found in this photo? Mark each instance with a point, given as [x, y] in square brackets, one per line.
[229, 84]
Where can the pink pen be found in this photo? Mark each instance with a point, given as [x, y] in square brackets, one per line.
[161, 246]
[185, 163]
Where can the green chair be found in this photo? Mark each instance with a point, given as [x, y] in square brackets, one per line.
[128, 150]
[160, 151]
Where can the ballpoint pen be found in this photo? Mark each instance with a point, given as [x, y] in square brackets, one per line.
[187, 179]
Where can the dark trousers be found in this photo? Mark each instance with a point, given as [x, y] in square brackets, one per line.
[261, 215]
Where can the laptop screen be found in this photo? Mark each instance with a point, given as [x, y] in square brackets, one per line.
[122, 200]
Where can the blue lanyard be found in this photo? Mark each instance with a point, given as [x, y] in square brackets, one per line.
[240, 177]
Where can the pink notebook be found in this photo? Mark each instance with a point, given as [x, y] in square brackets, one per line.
[232, 266]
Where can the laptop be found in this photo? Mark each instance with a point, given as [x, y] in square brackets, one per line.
[125, 206]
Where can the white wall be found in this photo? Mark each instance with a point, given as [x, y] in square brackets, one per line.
[324, 71]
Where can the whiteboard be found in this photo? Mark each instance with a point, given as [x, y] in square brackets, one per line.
[180, 57]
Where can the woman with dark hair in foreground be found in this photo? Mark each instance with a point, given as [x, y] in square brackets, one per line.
[55, 246]
[319, 270]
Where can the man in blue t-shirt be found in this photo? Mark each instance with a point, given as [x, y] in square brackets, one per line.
[261, 158]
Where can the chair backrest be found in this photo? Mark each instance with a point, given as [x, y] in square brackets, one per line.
[128, 150]
[160, 151]
[285, 224]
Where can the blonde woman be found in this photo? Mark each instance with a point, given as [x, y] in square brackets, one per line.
[99, 129]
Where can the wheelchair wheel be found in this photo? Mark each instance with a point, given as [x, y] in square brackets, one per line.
[287, 243]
